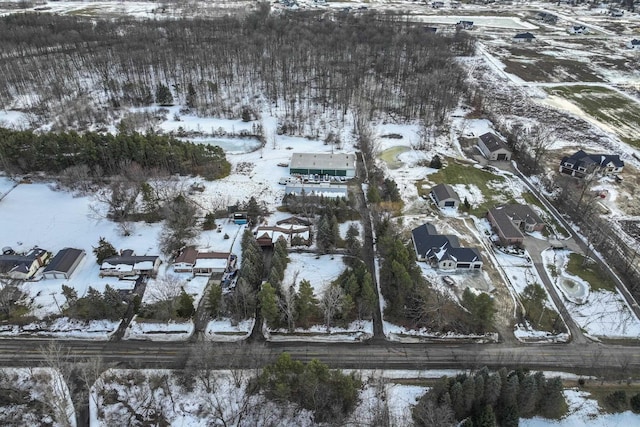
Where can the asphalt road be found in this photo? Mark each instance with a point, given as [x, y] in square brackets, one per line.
[592, 359]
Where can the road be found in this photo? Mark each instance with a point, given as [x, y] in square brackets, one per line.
[593, 359]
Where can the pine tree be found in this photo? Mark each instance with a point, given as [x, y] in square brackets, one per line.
[104, 250]
[528, 397]
[269, 305]
[214, 299]
[184, 306]
[306, 304]
[435, 163]
[553, 405]
[163, 96]
[486, 418]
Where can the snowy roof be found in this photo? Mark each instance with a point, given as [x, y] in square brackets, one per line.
[120, 261]
[218, 263]
[635, 42]
[323, 161]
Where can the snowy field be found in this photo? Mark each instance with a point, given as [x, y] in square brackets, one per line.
[604, 313]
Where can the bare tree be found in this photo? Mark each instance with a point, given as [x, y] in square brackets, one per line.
[331, 303]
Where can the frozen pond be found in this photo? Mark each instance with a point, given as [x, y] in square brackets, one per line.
[481, 21]
[229, 145]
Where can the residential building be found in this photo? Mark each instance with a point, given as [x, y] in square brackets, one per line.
[22, 267]
[199, 263]
[464, 25]
[445, 196]
[511, 221]
[493, 148]
[578, 29]
[130, 265]
[64, 264]
[331, 164]
[443, 251]
[583, 165]
[634, 44]
[524, 38]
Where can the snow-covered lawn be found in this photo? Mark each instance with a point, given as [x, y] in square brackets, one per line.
[600, 313]
[154, 331]
[225, 330]
[319, 270]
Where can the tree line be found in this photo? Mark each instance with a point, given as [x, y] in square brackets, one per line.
[215, 66]
[485, 399]
[104, 154]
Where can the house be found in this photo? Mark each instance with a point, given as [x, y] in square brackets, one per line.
[264, 237]
[547, 18]
[578, 29]
[464, 25]
[443, 251]
[129, 265]
[444, 196]
[64, 264]
[509, 222]
[437, 4]
[295, 220]
[22, 267]
[493, 148]
[581, 164]
[616, 13]
[330, 164]
[524, 38]
[199, 263]
[634, 44]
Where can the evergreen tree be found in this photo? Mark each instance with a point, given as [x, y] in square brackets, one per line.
[481, 308]
[553, 406]
[435, 163]
[486, 418]
[184, 306]
[214, 299]
[269, 305]
[306, 304]
[163, 96]
[70, 294]
[528, 397]
[368, 296]
[104, 250]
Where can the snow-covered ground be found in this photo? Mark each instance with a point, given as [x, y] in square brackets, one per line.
[600, 313]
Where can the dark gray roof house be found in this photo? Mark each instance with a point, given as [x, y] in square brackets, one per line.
[445, 196]
[524, 37]
[443, 251]
[493, 148]
[581, 164]
[64, 264]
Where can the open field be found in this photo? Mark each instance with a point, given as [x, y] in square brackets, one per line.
[615, 111]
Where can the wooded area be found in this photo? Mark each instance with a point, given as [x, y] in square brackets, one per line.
[219, 66]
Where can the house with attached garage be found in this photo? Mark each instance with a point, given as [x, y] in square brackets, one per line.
[128, 265]
[443, 251]
[493, 148]
[634, 44]
[22, 266]
[64, 264]
[444, 196]
[583, 165]
[524, 38]
[465, 25]
[199, 263]
[510, 221]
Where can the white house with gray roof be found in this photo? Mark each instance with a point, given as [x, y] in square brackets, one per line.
[493, 148]
[445, 196]
[64, 264]
[444, 251]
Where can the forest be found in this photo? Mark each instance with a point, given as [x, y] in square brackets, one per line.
[105, 154]
[220, 67]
